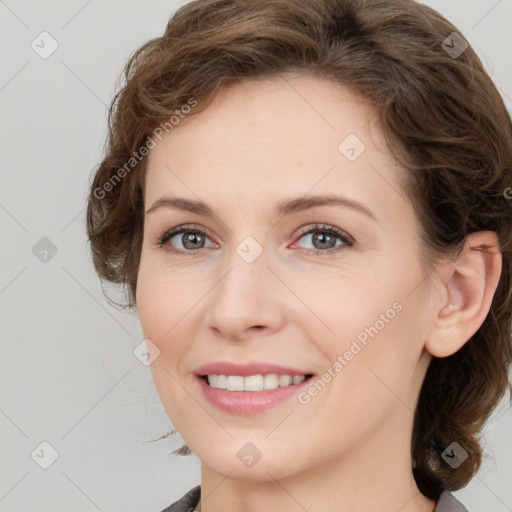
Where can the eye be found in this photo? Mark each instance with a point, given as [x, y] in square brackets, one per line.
[325, 238]
[190, 237]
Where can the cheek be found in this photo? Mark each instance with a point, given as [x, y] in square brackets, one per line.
[377, 328]
[350, 307]
[380, 356]
[162, 307]
[163, 298]
[159, 311]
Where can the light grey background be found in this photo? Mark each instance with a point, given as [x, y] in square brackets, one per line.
[68, 374]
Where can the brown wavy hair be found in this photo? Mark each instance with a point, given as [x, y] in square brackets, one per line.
[444, 122]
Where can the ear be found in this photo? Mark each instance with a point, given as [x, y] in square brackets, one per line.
[468, 286]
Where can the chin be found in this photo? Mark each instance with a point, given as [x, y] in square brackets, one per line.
[236, 462]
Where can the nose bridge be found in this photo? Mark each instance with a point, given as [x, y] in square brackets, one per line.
[244, 297]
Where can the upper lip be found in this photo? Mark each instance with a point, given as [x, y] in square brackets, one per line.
[244, 370]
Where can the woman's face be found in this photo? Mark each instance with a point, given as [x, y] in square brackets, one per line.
[273, 276]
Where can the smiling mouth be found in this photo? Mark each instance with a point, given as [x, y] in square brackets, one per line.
[253, 383]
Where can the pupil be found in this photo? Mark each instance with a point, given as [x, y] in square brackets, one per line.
[321, 239]
[191, 237]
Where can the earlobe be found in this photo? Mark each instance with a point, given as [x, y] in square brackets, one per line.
[469, 288]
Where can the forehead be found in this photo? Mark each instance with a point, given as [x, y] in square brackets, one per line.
[275, 137]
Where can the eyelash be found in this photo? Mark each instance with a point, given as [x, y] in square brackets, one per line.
[347, 240]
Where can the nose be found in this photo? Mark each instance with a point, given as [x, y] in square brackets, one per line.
[246, 301]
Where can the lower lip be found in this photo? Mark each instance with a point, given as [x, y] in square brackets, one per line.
[249, 402]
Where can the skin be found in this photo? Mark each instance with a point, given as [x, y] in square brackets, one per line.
[348, 449]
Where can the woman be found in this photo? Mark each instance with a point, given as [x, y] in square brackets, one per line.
[307, 203]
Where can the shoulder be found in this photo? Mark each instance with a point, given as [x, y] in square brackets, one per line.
[448, 503]
[187, 503]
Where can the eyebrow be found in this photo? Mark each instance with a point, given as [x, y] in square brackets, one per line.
[285, 207]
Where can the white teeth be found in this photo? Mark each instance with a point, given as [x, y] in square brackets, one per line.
[235, 383]
[213, 380]
[271, 381]
[222, 382]
[253, 382]
[285, 380]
